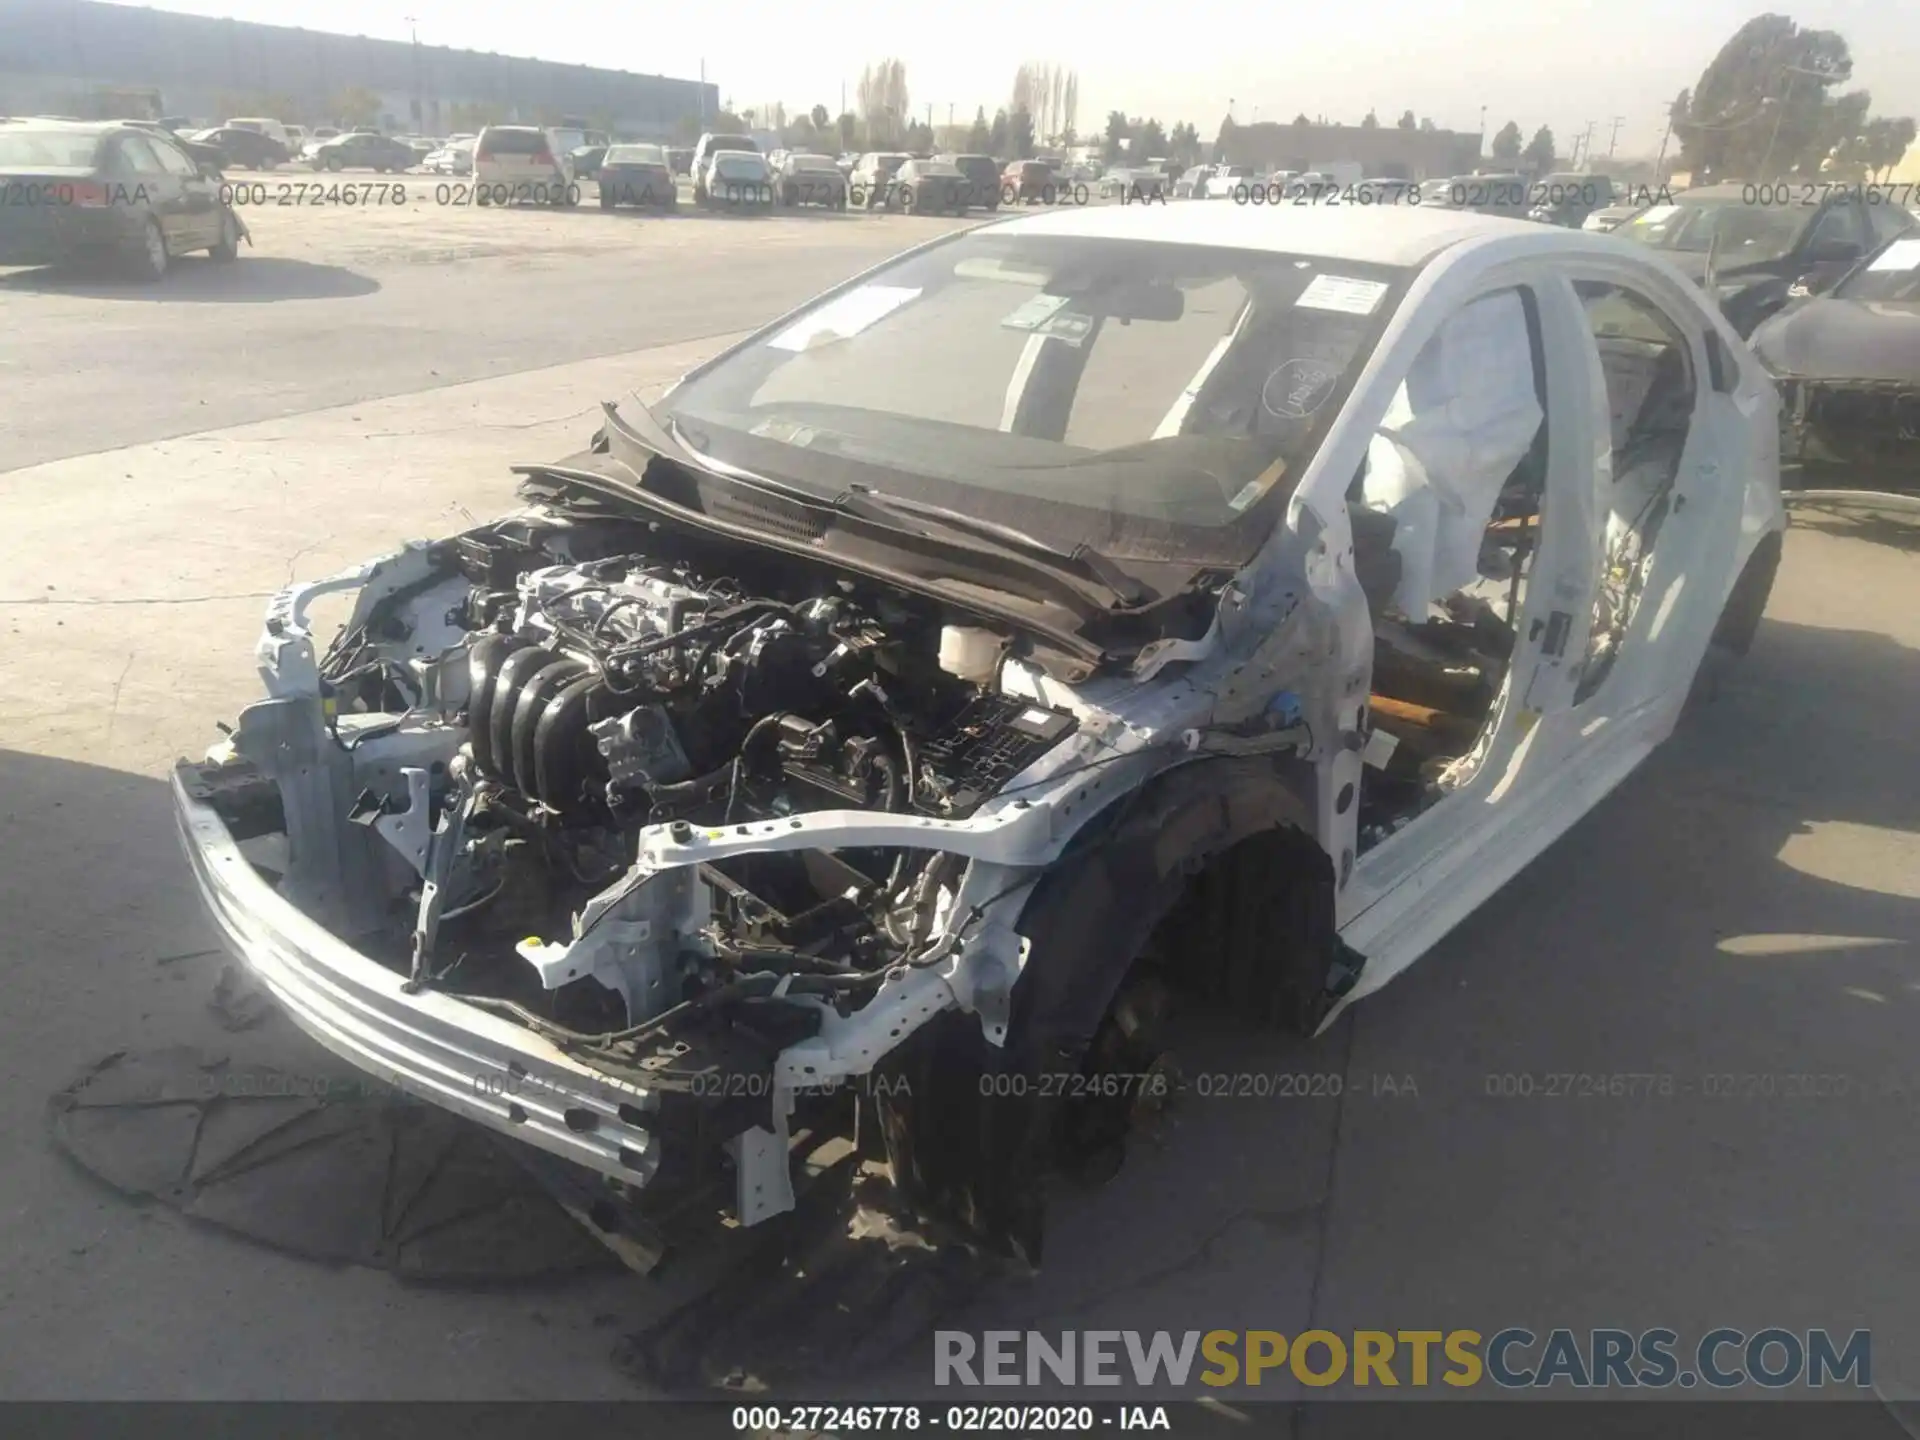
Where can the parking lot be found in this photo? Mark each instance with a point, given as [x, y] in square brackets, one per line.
[1743, 911]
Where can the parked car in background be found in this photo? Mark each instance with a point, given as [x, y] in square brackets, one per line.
[102, 189]
[1027, 180]
[806, 179]
[927, 186]
[983, 179]
[263, 126]
[453, 158]
[517, 164]
[1192, 182]
[872, 181]
[709, 145]
[1751, 257]
[636, 175]
[296, 139]
[1848, 370]
[244, 149]
[681, 158]
[1568, 198]
[736, 180]
[1221, 183]
[361, 151]
[586, 161]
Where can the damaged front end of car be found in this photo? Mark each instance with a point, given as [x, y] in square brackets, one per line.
[1850, 434]
[634, 850]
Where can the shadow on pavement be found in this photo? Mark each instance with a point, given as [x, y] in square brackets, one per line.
[252, 279]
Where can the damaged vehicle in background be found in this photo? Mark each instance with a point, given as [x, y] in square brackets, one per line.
[1847, 365]
[1075, 611]
[1753, 247]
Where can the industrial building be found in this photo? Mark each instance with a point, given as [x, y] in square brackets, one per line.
[1384, 151]
[84, 58]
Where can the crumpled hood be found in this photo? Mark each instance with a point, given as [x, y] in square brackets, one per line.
[1828, 339]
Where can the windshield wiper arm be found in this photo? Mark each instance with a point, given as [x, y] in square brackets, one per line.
[1129, 590]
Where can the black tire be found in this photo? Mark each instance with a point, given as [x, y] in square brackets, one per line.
[971, 1130]
[150, 262]
[227, 247]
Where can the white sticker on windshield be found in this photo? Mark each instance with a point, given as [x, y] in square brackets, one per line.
[1342, 293]
[847, 316]
[1656, 214]
[1901, 255]
[1045, 315]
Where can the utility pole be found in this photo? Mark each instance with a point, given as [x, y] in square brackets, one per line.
[414, 31]
[1660, 160]
[1614, 138]
[1585, 147]
[1793, 72]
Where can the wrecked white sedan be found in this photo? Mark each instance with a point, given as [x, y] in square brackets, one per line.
[1070, 610]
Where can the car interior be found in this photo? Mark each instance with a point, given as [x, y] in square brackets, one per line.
[1445, 513]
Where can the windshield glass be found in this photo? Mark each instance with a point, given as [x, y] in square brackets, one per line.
[47, 149]
[635, 155]
[1140, 398]
[1892, 276]
[1747, 232]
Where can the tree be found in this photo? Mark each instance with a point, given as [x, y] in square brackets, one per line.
[1224, 140]
[821, 120]
[1539, 151]
[356, 106]
[1427, 127]
[1371, 121]
[1118, 132]
[849, 126]
[1184, 140]
[1020, 134]
[884, 102]
[1407, 122]
[1149, 141]
[1757, 108]
[919, 136]
[980, 140]
[997, 136]
[1506, 144]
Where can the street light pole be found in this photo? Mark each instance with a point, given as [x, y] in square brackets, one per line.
[419, 117]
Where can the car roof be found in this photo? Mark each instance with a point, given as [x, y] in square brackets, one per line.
[1399, 236]
[79, 127]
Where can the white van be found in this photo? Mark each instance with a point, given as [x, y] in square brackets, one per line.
[262, 126]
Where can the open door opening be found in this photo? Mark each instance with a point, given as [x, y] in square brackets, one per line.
[1446, 513]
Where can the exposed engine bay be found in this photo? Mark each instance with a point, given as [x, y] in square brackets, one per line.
[531, 731]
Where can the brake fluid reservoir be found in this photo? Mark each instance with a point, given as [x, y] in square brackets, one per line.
[969, 653]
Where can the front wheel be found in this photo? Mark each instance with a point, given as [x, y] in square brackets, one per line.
[335, 164]
[227, 247]
[151, 261]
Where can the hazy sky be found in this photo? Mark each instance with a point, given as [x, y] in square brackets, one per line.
[1556, 62]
